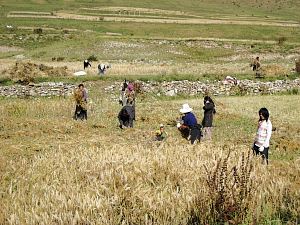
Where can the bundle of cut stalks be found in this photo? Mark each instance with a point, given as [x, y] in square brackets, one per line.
[273, 70]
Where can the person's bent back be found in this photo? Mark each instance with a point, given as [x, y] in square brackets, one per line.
[126, 116]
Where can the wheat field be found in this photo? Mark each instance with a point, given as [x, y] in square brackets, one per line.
[55, 170]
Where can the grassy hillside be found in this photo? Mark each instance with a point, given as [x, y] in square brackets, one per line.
[283, 9]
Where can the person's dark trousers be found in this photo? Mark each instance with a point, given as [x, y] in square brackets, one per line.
[125, 121]
[195, 133]
[80, 113]
[264, 154]
[77, 113]
[185, 132]
[84, 114]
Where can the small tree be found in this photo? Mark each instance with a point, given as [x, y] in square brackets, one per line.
[38, 31]
[281, 40]
[92, 58]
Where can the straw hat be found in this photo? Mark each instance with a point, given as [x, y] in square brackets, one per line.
[186, 108]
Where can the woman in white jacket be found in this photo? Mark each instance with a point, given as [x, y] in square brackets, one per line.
[263, 135]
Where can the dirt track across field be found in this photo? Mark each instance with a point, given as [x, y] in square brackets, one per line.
[64, 15]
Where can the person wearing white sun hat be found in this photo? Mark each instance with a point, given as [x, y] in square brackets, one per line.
[189, 124]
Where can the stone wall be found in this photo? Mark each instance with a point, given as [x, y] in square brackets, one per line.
[218, 88]
[41, 89]
[170, 88]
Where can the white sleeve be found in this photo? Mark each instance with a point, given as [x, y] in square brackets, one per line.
[269, 132]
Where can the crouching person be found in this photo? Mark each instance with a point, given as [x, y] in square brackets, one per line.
[126, 116]
[161, 134]
[189, 127]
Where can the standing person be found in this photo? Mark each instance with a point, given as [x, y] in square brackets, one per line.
[129, 96]
[86, 64]
[209, 111]
[130, 92]
[122, 99]
[256, 66]
[263, 135]
[124, 85]
[80, 96]
[189, 125]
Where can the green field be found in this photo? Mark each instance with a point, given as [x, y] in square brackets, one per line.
[275, 9]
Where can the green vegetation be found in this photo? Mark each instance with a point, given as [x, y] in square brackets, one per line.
[207, 8]
[154, 30]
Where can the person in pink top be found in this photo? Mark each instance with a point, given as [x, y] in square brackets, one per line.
[263, 135]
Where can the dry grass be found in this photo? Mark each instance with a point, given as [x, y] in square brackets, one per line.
[283, 109]
[26, 72]
[147, 69]
[274, 70]
[59, 171]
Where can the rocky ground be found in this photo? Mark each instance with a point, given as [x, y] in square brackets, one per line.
[170, 88]
[43, 89]
[217, 88]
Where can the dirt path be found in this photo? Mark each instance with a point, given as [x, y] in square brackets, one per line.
[63, 15]
[4, 48]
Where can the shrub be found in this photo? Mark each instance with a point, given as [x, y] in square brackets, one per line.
[281, 40]
[229, 192]
[58, 59]
[38, 31]
[92, 58]
[294, 91]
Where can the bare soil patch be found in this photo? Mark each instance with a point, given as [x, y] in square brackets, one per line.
[4, 49]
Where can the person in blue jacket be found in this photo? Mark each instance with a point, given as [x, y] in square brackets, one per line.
[189, 126]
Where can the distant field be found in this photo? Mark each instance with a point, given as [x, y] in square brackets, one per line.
[117, 33]
[286, 10]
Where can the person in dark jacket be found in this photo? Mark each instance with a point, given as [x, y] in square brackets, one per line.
[209, 111]
[126, 115]
[86, 64]
[189, 127]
